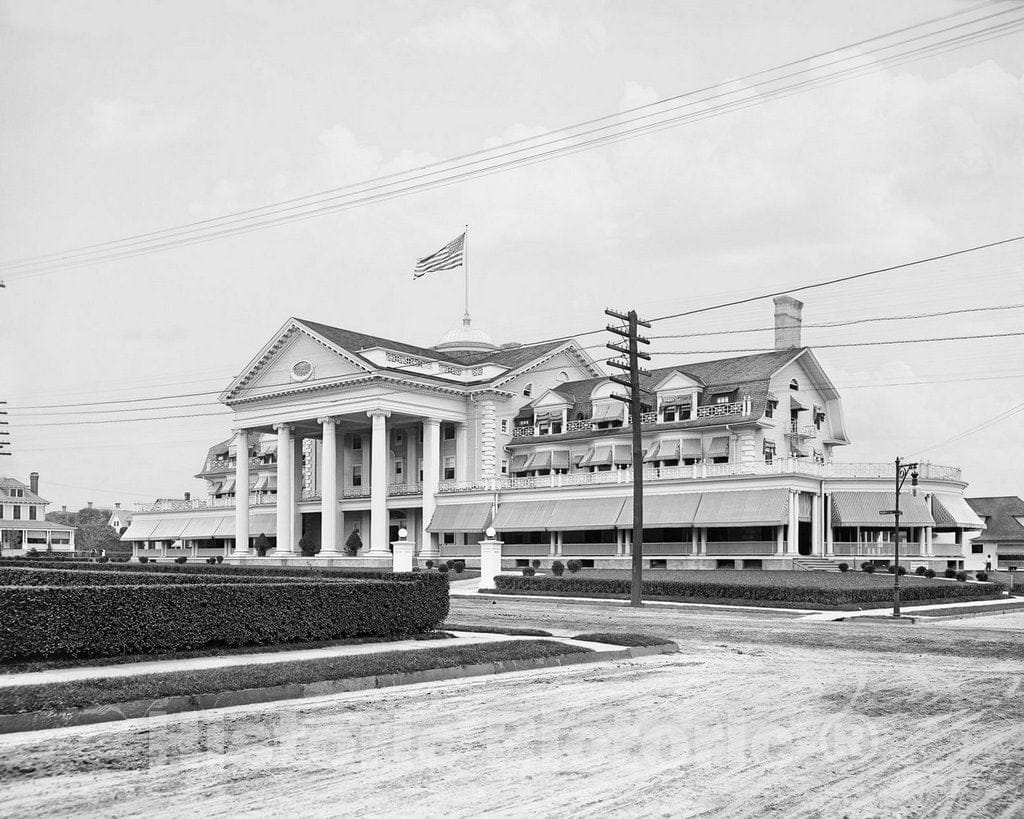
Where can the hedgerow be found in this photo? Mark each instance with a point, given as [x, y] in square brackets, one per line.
[33, 576]
[85, 621]
[825, 592]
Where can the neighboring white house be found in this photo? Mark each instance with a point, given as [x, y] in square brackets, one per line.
[23, 511]
[339, 431]
[1001, 544]
[119, 518]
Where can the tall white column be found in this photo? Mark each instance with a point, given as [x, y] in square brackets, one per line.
[793, 532]
[488, 439]
[297, 482]
[461, 437]
[412, 473]
[816, 539]
[242, 492]
[826, 521]
[329, 489]
[285, 478]
[379, 485]
[431, 469]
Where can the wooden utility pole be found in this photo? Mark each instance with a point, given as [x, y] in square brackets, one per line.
[632, 366]
[5, 442]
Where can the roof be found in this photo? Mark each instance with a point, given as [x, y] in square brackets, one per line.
[1000, 515]
[7, 484]
[35, 524]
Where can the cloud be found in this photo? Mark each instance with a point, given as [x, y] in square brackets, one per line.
[123, 122]
[478, 30]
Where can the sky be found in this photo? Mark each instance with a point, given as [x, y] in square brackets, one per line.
[118, 118]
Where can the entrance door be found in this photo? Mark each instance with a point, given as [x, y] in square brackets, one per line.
[804, 537]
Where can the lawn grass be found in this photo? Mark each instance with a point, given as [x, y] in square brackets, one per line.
[623, 638]
[506, 630]
[213, 651]
[110, 691]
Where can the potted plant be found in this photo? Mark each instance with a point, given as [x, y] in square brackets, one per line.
[353, 544]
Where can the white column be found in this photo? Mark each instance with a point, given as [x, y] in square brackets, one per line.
[431, 468]
[242, 492]
[412, 474]
[553, 543]
[379, 485]
[329, 489]
[488, 439]
[793, 533]
[461, 437]
[826, 520]
[780, 539]
[285, 477]
[816, 539]
[694, 541]
[297, 482]
[490, 561]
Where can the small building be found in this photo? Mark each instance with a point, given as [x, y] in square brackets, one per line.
[1000, 545]
[23, 523]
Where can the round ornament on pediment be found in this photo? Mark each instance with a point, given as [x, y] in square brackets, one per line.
[302, 370]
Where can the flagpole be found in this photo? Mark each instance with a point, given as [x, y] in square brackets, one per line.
[465, 269]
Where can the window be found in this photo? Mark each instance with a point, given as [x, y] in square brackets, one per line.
[17, 512]
[448, 538]
[399, 467]
[449, 468]
[504, 426]
[1, 511]
[357, 475]
[419, 468]
[769, 408]
[794, 384]
[977, 548]
[31, 513]
[528, 390]
[357, 442]
[504, 466]
[675, 412]
[448, 432]
[722, 399]
[769, 452]
[399, 436]
[690, 461]
[721, 459]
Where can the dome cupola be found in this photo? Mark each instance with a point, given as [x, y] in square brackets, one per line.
[466, 339]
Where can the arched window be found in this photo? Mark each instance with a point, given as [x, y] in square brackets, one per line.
[528, 390]
[794, 384]
[562, 376]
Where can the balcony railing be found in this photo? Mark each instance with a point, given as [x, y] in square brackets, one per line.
[646, 419]
[742, 547]
[876, 549]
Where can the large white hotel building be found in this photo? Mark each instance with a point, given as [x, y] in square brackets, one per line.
[338, 431]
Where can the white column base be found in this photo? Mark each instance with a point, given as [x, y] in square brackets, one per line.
[490, 562]
[403, 556]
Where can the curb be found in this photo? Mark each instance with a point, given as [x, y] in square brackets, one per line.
[624, 601]
[137, 709]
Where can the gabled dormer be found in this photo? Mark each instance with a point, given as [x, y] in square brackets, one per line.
[550, 413]
[678, 395]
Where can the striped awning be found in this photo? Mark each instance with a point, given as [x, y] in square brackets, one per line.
[141, 528]
[756, 507]
[585, 513]
[609, 411]
[691, 448]
[598, 456]
[865, 509]
[206, 526]
[261, 484]
[461, 517]
[952, 511]
[622, 455]
[547, 415]
[560, 459]
[262, 523]
[719, 447]
[651, 454]
[662, 511]
[227, 486]
[519, 463]
[168, 528]
[676, 400]
[539, 460]
[523, 516]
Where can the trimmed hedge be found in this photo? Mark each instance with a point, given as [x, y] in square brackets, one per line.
[826, 593]
[33, 576]
[99, 621]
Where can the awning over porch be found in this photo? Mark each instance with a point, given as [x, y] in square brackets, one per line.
[719, 447]
[461, 517]
[197, 527]
[204, 527]
[865, 509]
[523, 516]
[756, 507]
[952, 511]
[539, 460]
[519, 463]
[585, 513]
[140, 529]
[691, 448]
[662, 511]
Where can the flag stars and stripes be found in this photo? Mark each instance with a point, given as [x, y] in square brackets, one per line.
[447, 258]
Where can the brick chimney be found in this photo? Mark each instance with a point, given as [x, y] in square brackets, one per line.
[117, 505]
[89, 504]
[33, 483]
[787, 322]
[188, 496]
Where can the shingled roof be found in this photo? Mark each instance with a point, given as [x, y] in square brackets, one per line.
[1000, 514]
[7, 484]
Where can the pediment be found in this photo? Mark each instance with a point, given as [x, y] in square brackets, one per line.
[551, 399]
[295, 359]
[678, 381]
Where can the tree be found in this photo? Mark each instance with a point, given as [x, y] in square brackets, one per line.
[92, 514]
[100, 537]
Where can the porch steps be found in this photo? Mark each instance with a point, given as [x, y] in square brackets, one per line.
[815, 564]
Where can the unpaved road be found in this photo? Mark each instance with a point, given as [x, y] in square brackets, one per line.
[758, 715]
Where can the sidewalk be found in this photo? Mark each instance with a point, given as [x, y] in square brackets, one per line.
[909, 611]
[463, 638]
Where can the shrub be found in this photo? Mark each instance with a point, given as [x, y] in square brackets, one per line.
[929, 573]
[450, 564]
[557, 568]
[902, 570]
[961, 576]
[219, 558]
[535, 563]
[353, 544]
[982, 576]
[844, 567]
[443, 568]
[307, 546]
[140, 619]
[949, 573]
[430, 564]
[573, 566]
[920, 570]
[262, 545]
[867, 566]
[459, 566]
[529, 571]
[180, 559]
[212, 561]
[143, 559]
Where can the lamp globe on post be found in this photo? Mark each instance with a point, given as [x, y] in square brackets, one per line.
[490, 532]
[403, 534]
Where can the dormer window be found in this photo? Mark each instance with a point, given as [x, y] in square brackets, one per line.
[528, 390]
[676, 411]
[722, 399]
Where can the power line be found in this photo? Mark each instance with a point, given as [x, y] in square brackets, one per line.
[48, 263]
[847, 344]
[849, 322]
[1002, 416]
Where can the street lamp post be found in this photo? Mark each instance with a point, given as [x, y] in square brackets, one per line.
[902, 471]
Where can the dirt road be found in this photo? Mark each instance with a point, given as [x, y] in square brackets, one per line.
[758, 715]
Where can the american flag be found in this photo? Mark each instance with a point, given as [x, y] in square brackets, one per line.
[447, 258]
